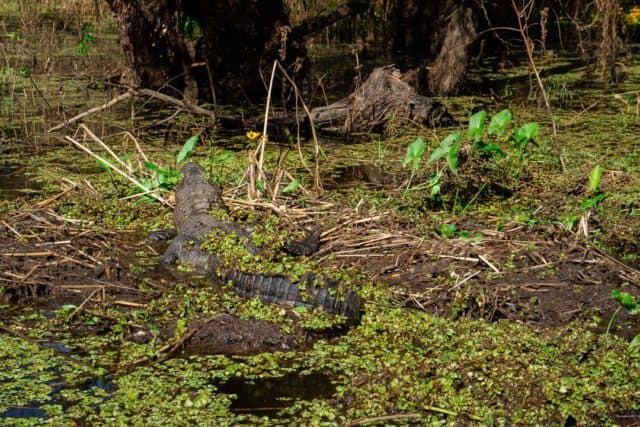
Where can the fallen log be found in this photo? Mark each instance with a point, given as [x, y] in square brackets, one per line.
[383, 101]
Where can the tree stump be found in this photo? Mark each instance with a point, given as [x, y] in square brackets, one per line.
[383, 102]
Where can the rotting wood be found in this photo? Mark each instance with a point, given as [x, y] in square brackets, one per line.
[382, 102]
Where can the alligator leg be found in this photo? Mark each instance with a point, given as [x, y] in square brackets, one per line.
[187, 249]
[307, 246]
[162, 235]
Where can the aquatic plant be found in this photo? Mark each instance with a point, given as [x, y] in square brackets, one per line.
[492, 143]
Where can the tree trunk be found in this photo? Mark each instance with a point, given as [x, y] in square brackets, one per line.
[442, 32]
[608, 47]
[232, 57]
[155, 53]
[240, 39]
[449, 70]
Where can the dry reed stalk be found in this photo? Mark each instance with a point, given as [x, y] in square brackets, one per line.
[118, 171]
[524, 34]
[316, 175]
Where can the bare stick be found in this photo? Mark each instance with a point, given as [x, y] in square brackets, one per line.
[192, 108]
[527, 43]
[107, 148]
[263, 139]
[137, 144]
[43, 203]
[316, 176]
[93, 110]
[491, 266]
[80, 307]
[13, 230]
[127, 177]
[376, 420]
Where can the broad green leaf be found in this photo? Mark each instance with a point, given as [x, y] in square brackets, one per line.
[152, 167]
[444, 147]
[635, 342]
[435, 189]
[452, 158]
[448, 230]
[593, 202]
[488, 148]
[570, 222]
[104, 166]
[476, 125]
[527, 132]
[260, 185]
[187, 148]
[626, 300]
[292, 186]
[499, 123]
[594, 178]
[67, 308]
[435, 182]
[415, 151]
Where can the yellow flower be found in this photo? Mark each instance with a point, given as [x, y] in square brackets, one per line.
[633, 16]
[252, 135]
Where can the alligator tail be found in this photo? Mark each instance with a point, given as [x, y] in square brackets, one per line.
[280, 290]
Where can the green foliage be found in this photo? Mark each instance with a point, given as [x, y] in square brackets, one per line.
[493, 143]
[191, 27]
[594, 179]
[88, 38]
[187, 148]
[476, 125]
[156, 177]
[164, 177]
[499, 123]
[414, 154]
[445, 147]
[594, 183]
[220, 167]
[629, 303]
[292, 186]
[626, 301]
[526, 134]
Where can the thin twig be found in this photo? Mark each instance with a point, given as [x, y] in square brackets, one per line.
[13, 230]
[55, 197]
[107, 148]
[192, 108]
[93, 110]
[527, 43]
[130, 179]
[316, 176]
[83, 303]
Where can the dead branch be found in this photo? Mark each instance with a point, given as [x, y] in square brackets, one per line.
[93, 110]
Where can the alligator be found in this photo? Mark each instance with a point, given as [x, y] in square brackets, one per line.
[195, 198]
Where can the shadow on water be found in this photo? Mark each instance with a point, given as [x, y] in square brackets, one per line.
[15, 181]
[267, 396]
[347, 176]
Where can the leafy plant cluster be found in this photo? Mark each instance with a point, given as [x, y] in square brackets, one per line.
[158, 177]
[491, 143]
